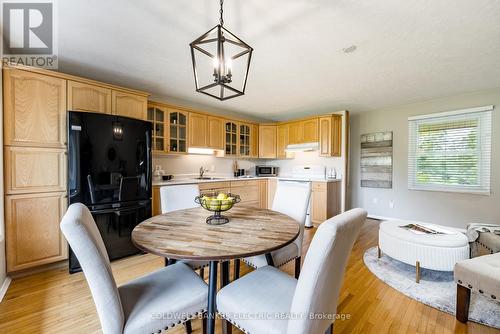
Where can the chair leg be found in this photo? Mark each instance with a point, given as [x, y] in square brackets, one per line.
[417, 272]
[329, 330]
[236, 274]
[188, 327]
[463, 302]
[204, 324]
[297, 267]
[227, 327]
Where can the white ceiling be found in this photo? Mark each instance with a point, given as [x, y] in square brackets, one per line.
[406, 50]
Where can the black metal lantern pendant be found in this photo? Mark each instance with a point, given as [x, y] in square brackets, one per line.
[220, 62]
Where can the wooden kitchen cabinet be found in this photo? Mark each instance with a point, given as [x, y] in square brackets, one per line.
[249, 192]
[33, 236]
[310, 130]
[271, 191]
[222, 186]
[129, 105]
[330, 136]
[215, 128]
[197, 130]
[155, 201]
[295, 133]
[282, 142]
[245, 139]
[325, 201]
[33, 170]
[267, 141]
[89, 98]
[231, 138]
[157, 116]
[177, 131]
[34, 109]
[254, 137]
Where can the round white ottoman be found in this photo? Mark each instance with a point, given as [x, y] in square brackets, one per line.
[430, 251]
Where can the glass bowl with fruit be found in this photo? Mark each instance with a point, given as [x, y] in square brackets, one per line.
[217, 202]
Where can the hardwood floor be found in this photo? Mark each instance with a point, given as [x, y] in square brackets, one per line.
[56, 302]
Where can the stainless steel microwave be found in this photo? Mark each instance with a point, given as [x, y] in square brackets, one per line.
[266, 170]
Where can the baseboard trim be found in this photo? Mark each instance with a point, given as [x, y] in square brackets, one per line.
[5, 286]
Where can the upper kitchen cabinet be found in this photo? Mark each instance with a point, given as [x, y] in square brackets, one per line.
[254, 138]
[295, 133]
[89, 98]
[245, 142]
[231, 138]
[267, 141]
[157, 116]
[310, 130]
[215, 128]
[330, 136]
[177, 130]
[129, 105]
[34, 109]
[282, 142]
[197, 130]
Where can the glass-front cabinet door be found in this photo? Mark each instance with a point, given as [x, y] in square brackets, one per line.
[156, 115]
[231, 138]
[177, 134]
[244, 140]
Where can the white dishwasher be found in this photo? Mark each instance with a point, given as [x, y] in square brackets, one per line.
[306, 174]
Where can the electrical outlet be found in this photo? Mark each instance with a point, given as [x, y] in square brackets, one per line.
[212, 168]
[391, 204]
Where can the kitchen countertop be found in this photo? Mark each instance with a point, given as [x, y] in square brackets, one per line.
[193, 180]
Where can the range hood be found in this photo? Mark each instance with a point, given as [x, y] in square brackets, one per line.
[305, 147]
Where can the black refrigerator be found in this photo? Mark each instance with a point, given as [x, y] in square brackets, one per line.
[109, 170]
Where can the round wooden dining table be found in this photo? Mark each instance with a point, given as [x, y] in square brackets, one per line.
[184, 235]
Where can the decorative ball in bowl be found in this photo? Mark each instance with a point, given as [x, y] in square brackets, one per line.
[217, 202]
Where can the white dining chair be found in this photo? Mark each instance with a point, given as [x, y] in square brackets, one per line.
[274, 302]
[160, 300]
[180, 197]
[292, 199]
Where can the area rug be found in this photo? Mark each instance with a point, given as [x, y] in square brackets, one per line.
[436, 289]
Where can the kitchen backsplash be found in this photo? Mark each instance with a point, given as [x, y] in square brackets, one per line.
[190, 164]
[308, 158]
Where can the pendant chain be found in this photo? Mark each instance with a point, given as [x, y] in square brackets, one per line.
[221, 12]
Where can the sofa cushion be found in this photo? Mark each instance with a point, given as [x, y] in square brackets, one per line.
[481, 274]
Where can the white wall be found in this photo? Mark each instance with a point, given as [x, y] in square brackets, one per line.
[450, 209]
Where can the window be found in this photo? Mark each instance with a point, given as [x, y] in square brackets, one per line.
[450, 151]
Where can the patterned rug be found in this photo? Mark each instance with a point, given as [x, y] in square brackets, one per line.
[436, 289]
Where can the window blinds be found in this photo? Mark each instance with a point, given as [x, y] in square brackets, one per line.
[450, 151]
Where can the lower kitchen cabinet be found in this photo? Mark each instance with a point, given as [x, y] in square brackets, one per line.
[155, 202]
[325, 201]
[33, 236]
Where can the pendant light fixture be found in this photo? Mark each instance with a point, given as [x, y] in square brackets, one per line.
[221, 62]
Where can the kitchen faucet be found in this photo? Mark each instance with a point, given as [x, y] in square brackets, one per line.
[202, 171]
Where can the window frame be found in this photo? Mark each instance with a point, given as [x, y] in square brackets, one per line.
[484, 119]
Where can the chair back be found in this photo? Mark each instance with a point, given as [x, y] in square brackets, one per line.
[292, 199]
[178, 197]
[129, 188]
[321, 277]
[93, 199]
[80, 229]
